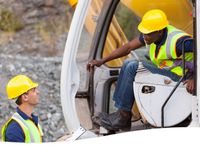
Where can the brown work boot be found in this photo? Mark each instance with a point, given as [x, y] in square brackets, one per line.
[120, 120]
[98, 117]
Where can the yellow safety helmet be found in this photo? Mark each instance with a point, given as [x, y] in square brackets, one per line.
[153, 20]
[18, 85]
[73, 3]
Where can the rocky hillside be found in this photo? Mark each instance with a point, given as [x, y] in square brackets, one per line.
[34, 27]
[32, 39]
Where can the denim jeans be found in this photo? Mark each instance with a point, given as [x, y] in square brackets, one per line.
[124, 94]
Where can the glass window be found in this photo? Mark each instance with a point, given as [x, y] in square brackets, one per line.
[86, 39]
[123, 28]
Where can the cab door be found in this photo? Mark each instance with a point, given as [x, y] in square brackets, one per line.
[117, 24]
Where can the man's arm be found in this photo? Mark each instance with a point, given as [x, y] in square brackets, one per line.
[119, 52]
[188, 45]
[14, 133]
[188, 48]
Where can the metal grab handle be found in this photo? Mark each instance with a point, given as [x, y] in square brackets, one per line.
[178, 83]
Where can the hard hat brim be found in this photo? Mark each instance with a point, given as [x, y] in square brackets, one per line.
[144, 30]
[34, 85]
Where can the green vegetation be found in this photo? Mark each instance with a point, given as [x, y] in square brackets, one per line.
[128, 21]
[9, 22]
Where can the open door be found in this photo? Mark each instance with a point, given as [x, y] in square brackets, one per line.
[112, 32]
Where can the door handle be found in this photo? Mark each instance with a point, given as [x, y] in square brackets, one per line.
[148, 89]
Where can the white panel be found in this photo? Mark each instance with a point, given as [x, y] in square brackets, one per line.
[70, 74]
[198, 50]
[178, 107]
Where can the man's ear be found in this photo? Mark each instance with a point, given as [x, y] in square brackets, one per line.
[25, 97]
[161, 32]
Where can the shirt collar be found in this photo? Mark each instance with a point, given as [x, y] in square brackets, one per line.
[26, 117]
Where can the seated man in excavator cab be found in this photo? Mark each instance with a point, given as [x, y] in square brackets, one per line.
[164, 43]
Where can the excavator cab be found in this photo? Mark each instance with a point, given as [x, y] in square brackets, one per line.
[150, 94]
[103, 26]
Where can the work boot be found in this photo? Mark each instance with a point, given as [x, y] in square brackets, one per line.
[120, 120]
[98, 117]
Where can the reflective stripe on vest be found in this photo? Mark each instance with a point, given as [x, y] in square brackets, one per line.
[32, 133]
[168, 44]
[166, 57]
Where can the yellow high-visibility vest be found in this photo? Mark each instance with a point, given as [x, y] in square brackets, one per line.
[33, 133]
[166, 57]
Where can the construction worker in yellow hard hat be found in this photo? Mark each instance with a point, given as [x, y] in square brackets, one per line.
[164, 44]
[23, 126]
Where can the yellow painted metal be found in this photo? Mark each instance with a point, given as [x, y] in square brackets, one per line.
[93, 14]
[135, 112]
[115, 38]
[179, 13]
[73, 3]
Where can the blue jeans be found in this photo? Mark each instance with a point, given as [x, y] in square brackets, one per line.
[124, 94]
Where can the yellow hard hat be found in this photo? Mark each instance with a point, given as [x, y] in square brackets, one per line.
[19, 85]
[153, 20]
[73, 2]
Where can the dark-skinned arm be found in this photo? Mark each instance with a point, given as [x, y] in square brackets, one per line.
[119, 52]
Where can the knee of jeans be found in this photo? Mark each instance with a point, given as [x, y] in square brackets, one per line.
[132, 66]
[126, 62]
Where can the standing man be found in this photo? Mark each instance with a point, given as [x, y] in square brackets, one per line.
[164, 43]
[23, 126]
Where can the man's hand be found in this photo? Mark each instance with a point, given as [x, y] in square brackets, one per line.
[93, 63]
[189, 85]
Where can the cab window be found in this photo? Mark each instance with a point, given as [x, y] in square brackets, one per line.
[123, 28]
